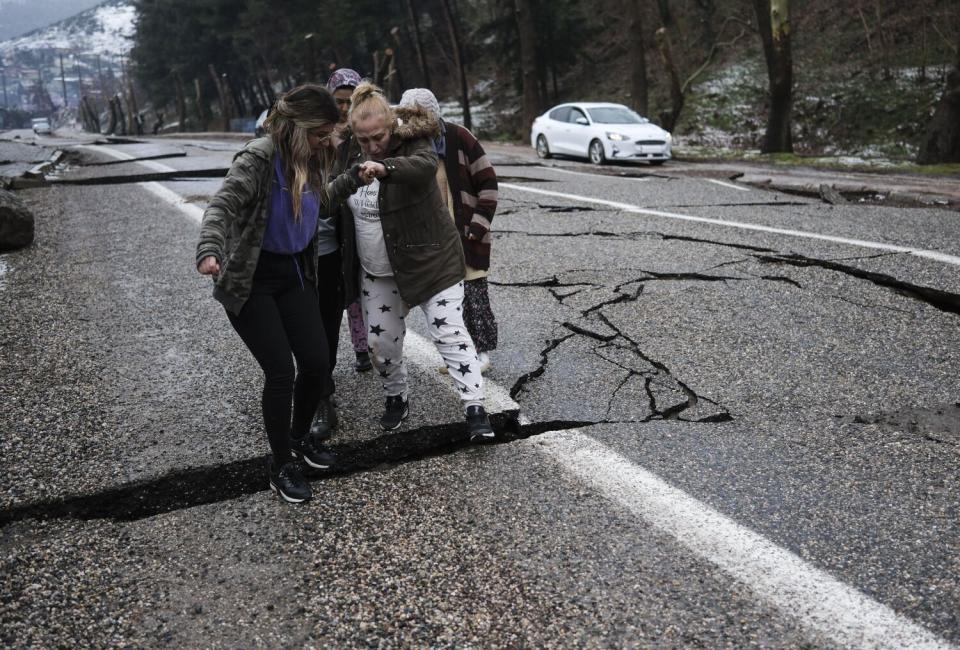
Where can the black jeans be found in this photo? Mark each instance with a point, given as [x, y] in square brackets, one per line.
[330, 293]
[280, 321]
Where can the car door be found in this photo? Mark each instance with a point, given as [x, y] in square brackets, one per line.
[579, 138]
[557, 131]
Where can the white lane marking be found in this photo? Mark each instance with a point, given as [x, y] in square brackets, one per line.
[166, 194]
[627, 207]
[575, 173]
[822, 604]
[726, 184]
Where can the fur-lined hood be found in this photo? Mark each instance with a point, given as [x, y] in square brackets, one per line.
[416, 122]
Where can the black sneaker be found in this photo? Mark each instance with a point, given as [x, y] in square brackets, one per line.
[478, 425]
[289, 483]
[312, 452]
[395, 412]
[362, 364]
[325, 419]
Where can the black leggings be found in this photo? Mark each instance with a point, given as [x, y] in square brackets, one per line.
[282, 318]
[330, 290]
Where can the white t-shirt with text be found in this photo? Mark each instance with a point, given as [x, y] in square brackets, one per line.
[366, 216]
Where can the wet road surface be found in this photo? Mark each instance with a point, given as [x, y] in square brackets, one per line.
[727, 417]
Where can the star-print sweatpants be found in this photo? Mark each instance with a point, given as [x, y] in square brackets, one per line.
[385, 313]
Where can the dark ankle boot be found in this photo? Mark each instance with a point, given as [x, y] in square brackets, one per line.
[325, 420]
[362, 363]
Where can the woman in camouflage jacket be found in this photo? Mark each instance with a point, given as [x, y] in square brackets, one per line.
[270, 243]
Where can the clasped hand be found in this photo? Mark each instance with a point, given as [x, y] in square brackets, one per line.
[370, 170]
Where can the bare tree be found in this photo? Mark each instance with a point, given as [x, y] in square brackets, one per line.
[666, 18]
[181, 103]
[418, 42]
[668, 119]
[528, 61]
[678, 89]
[458, 60]
[773, 20]
[638, 76]
[200, 104]
[941, 143]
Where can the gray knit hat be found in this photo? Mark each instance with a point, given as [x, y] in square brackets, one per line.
[423, 98]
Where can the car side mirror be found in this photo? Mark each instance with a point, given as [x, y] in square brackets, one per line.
[583, 121]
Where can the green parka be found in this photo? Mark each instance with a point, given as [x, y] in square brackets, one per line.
[421, 239]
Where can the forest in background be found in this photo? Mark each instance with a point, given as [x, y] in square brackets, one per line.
[866, 75]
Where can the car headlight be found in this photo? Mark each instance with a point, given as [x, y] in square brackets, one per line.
[616, 137]
[669, 139]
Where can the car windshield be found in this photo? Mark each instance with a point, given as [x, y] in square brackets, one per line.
[615, 115]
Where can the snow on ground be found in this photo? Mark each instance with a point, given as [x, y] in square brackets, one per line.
[105, 30]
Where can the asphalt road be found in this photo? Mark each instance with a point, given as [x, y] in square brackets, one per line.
[738, 426]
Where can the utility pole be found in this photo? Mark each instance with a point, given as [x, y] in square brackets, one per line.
[63, 81]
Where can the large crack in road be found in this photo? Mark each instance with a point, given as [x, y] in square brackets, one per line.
[199, 486]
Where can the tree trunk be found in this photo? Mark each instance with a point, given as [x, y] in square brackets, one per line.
[418, 42]
[201, 106]
[638, 74]
[941, 143]
[181, 103]
[239, 106]
[666, 18]
[112, 120]
[458, 60]
[121, 117]
[708, 8]
[773, 19]
[94, 120]
[132, 110]
[669, 118]
[222, 95]
[528, 62]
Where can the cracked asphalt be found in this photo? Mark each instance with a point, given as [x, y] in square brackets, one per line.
[803, 387]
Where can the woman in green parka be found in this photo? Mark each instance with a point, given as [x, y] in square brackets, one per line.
[403, 249]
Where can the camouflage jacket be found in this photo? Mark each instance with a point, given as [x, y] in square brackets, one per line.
[235, 221]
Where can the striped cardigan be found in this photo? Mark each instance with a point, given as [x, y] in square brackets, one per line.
[473, 184]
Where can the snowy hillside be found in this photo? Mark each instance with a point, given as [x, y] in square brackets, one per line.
[103, 30]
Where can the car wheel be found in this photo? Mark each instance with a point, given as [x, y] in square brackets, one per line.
[543, 149]
[657, 163]
[596, 153]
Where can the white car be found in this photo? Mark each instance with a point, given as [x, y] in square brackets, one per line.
[41, 126]
[599, 131]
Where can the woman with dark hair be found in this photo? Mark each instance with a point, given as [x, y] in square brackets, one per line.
[269, 242]
[407, 254]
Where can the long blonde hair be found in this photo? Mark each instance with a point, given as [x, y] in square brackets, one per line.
[367, 101]
[296, 112]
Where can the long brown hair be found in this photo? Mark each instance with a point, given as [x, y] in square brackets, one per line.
[296, 112]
